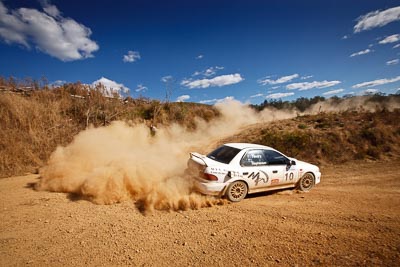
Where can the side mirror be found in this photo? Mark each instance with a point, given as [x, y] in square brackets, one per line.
[292, 162]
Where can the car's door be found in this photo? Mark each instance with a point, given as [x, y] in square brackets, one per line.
[264, 168]
[282, 172]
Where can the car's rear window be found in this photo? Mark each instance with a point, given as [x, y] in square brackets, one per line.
[224, 154]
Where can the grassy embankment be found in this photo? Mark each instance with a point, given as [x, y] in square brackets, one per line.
[34, 122]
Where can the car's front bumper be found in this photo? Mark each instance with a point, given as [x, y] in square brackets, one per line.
[317, 177]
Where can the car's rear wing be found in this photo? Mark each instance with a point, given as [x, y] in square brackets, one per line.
[198, 158]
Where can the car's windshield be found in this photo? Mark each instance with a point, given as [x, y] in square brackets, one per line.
[224, 154]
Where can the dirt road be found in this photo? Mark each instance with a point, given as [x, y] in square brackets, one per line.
[351, 218]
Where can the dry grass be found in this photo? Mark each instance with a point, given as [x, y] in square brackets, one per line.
[30, 131]
[35, 122]
[331, 137]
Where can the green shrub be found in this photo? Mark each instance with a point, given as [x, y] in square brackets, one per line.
[302, 126]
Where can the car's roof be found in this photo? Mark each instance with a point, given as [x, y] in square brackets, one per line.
[247, 145]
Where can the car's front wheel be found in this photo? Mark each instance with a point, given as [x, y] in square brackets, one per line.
[236, 191]
[306, 182]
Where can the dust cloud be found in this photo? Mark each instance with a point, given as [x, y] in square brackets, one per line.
[359, 103]
[122, 162]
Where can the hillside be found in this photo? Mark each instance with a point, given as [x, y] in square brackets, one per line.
[330, 137]
[35, 121]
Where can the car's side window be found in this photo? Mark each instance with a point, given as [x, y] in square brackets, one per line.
[275, 158]
[254, 158]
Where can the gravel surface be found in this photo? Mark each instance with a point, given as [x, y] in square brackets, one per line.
[351, 218]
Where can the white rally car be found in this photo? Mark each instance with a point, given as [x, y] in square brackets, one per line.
[238, 169]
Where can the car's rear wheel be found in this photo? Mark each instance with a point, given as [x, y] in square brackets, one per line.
[236, 191]
[306, 182]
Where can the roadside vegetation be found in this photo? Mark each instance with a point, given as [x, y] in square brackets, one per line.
[35, 118]
[303, 104]
[331, 137]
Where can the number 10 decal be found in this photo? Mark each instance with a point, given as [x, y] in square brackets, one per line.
[289, 176]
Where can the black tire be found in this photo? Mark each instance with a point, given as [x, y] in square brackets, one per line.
[236, 191]
[307, 181]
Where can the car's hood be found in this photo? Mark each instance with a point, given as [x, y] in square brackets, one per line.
[305, 165]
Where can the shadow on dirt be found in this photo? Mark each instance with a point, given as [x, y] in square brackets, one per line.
[74, 197]
[269, 193]
[31, 185]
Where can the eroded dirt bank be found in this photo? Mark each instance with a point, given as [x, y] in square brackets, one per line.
[352, 218]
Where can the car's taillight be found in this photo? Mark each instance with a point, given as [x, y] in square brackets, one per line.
[210, 177]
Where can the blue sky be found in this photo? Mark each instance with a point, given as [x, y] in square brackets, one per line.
[206, 51]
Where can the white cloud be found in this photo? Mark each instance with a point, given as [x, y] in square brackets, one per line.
[183, 98]
[57, 83]
[141, 88]
[275, 87]
[279, 95]
[333, 92]
[390, 39]
[215, 100]
[211, 71]
[132, 56]
[345, 37]
[199, 56]
[284, 79]
[310, 85]
[369, 92]
[306, 77]
[396, 46]
[167, 78]
[51, 10]
[48, 31]
[208, 101]
[111, 86]
[363, 52]
[219, 81]
[376, 82]
[257, 95]
[377, 19]
[392, 62]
